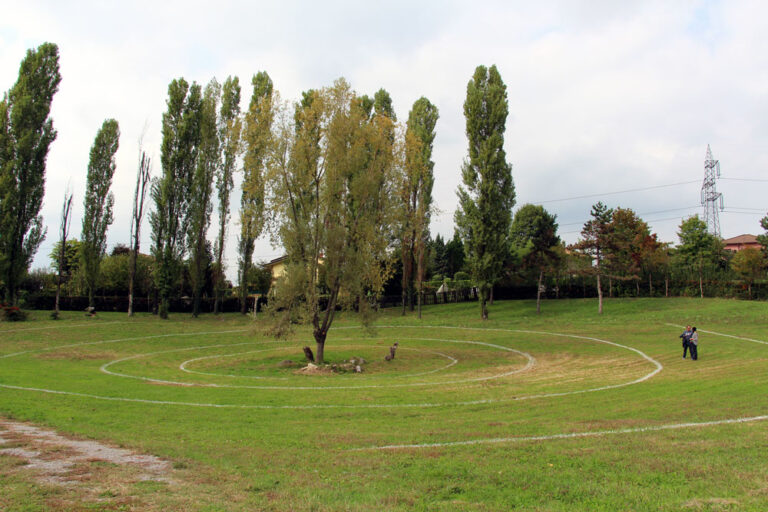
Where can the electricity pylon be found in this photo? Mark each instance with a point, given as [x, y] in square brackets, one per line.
[709, 194]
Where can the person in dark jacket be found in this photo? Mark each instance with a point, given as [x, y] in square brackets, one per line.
[686, 336]
[693, 343]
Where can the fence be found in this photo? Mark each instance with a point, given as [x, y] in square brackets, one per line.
[140, 304]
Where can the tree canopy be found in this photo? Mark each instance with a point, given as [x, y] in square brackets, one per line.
[487, 193]
[331, 185]
[26, 133]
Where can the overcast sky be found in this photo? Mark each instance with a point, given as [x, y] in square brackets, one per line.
[604, 96]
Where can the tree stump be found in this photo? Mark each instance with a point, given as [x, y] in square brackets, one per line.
[309, 355]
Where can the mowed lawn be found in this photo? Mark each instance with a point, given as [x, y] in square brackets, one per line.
[521, 412]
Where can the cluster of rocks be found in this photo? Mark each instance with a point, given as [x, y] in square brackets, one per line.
[354, 365]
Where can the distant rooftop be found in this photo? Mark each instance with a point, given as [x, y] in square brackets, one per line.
[741, 239]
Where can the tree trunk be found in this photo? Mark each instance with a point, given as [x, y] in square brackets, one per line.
[196, 305]
[666, 285]
[421, 293]
[749, 289]
[163, 310]
[599, 296]
[58, 295]
[90, 297]
[490, 299]
[538, 293]
[483, 303]
[650, 285]
[637, 287]
[610, 287]
[320, 348]
[244, 293]
[701, 284]
[131, 279]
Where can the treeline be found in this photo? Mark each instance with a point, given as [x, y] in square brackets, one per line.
[342, 186]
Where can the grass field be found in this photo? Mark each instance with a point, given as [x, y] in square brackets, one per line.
[563, 411]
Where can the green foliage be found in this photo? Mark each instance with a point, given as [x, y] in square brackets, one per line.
[98, 202]
[171, 191]
[230, 128]
[382, 105]
[332, 186]
[72, 257]
[697, 248]
[257, 138]
[750, 264]
[487, 195]
[260, 279]
[415, 188]
[763, 239]
[595, 242]
[199, 213]
[26, 133]
[630, 242]
[115, 271]
[533, 235]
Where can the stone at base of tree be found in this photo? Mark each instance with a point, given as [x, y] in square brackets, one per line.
[90, 311]
[391, 354]
[309, 355]
[358, 369]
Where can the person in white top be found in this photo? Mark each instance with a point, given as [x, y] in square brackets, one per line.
[694, 344]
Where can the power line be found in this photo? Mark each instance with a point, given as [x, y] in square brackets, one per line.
[755, 180]
[641, 214]
[647, 221]
[744, 213]
[747, 209]
[640, 189]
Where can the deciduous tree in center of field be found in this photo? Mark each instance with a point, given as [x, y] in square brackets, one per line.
[331, 189]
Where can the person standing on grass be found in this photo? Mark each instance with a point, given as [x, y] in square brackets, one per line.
[694, 344]
[686, 336]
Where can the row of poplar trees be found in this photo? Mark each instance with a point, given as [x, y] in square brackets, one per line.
[334, 178]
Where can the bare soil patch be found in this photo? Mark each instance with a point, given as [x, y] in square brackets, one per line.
[58, 459]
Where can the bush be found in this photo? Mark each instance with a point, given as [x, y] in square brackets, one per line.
[12, 313]
[461, 276]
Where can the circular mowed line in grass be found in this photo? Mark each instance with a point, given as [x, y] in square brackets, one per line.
[462, 367]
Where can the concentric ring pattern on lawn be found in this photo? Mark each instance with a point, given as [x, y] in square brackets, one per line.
[222, 351]
[527, 362]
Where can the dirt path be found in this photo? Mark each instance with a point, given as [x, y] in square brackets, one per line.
[58, 459]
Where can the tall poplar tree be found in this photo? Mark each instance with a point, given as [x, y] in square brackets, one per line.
[419, 167]
[256, 139]
[98, 202]
[200, 207]
[171, 191]
[487, 195]
[26, 133]
[230, 127]
[143, 177]
[66, 220]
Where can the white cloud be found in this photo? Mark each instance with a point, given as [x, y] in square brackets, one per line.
[603, 95]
